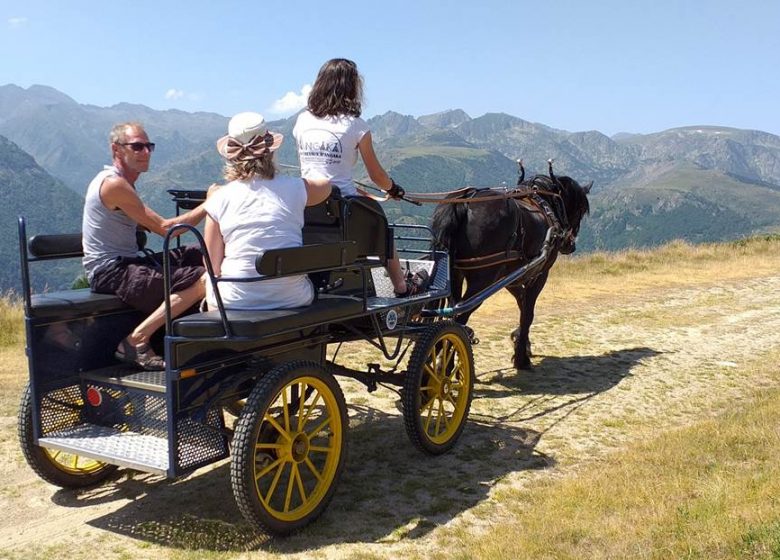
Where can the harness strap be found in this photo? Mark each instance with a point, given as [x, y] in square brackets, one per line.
[494, 259]
[510, 254]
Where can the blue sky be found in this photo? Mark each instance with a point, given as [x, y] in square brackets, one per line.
[634, 66]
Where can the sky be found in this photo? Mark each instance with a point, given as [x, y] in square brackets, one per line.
[614, 66]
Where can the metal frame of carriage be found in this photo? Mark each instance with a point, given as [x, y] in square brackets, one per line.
[82, 415]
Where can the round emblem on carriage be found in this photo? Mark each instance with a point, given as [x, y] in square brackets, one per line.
[391, 319]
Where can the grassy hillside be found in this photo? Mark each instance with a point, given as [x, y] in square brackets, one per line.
[680, 201]
[48, 206]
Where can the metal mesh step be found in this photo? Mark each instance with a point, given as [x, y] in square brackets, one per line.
[128, 376]
[127, 449]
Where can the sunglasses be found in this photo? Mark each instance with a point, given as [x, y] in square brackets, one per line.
[138, 146]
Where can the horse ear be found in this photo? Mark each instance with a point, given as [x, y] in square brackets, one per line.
[587, 187]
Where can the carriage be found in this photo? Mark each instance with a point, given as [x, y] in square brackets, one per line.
[260, 387]
[83, 415]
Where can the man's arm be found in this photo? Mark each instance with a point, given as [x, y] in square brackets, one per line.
[117, 193]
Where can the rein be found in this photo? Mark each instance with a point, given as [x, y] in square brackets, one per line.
[466, 195]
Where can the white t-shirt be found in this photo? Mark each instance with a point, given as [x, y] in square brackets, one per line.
[253, 217]
[328, 148]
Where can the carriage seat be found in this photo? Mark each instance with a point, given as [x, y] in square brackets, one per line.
[258, 324]
[66, 304]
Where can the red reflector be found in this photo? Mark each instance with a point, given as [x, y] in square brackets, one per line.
[94, 396]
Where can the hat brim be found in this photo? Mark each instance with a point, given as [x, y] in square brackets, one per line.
[222, 143]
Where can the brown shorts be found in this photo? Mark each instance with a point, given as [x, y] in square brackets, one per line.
[138, 281]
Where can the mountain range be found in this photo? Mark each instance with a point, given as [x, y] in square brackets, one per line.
[699, 183]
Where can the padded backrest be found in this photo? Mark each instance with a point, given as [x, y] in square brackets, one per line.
[55, 246]
[358, 218]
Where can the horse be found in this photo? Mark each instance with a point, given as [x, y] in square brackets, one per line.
[491, 232]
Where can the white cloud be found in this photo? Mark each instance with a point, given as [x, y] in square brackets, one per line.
[16, 22]
[291, 102]
[174, 94]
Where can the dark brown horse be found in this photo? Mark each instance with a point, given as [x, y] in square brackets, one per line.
[489, 238]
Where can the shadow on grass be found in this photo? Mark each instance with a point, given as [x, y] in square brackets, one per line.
[564, 375]
[389, 491]
[558, 386]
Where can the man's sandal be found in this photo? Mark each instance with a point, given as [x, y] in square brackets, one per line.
[142, 356]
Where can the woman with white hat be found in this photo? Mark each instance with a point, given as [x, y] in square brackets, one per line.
[254, 212]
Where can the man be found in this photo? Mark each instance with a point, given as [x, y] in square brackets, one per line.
[112, 214]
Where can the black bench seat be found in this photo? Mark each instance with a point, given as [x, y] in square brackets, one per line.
[257, 324]
[74, 303]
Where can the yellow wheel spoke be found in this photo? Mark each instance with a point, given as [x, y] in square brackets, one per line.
[429, 368]
[320, 449]
[317, 474]
[301, 402]
[268, 469]
[301, 489]
[309, 410]
[271, 420]
[286, 410]
[274, 483]
[453, 376]
[449, 352]
[451, 399]
[439, 417]
[265, 445]
[290, 485]
[429, 406]
[319, 428]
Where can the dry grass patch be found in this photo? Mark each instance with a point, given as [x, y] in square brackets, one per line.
[705, 491]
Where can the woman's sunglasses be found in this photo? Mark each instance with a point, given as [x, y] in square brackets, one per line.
[138, 146]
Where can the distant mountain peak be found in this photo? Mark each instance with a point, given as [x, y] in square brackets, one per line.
[450, 118]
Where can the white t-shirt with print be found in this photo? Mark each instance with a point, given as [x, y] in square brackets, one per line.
[255, 216]
[328, 147]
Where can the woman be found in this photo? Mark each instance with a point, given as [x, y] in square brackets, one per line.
[254, 212]
[330, 134]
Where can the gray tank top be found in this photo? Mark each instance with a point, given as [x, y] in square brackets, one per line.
[105, 234]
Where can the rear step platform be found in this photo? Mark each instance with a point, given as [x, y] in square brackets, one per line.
[127, 449]
[125, 375]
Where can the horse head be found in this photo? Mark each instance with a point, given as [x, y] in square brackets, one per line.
[575, 203]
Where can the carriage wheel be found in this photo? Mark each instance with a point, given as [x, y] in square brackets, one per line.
[438, 387]
[60, 468]
[289, 446]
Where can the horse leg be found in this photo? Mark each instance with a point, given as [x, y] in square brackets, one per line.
[526, 301]
[473, 287]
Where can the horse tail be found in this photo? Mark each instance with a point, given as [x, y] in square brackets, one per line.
[444, 225]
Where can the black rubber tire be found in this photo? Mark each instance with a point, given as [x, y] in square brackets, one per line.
[44, 462]
[270, 497]
[451, 392]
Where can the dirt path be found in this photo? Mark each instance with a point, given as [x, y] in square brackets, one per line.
[603, 376]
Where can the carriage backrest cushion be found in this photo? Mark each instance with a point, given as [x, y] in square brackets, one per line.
[359, 219]
[55, 246]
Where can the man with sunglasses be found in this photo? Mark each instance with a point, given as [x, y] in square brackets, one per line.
[113, 212]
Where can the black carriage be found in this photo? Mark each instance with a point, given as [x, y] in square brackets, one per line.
[83, 415]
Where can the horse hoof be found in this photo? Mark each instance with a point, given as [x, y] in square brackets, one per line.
[522, 364]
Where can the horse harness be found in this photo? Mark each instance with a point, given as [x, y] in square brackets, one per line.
[526, 197]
